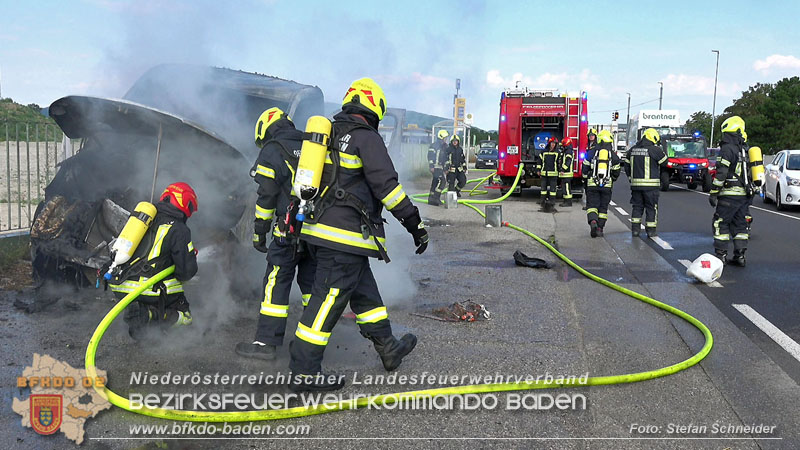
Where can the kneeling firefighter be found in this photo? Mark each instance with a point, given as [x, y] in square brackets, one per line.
[343, 228]
[739, 172]
[437, 159]
[566, 158]
[167, 242]
[280, 144]
[643, 163]
[457, 166]
[601, 168]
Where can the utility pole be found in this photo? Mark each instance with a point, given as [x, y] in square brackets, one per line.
[628, 118]
[714, 104]
[660, 94]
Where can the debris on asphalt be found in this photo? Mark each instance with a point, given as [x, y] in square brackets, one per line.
[521, 259]
[466, 311]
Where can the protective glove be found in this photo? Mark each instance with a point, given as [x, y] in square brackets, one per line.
[712, 200]
[415, 226]
[260, 242]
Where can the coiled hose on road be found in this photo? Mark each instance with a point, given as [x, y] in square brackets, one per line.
[381, 399]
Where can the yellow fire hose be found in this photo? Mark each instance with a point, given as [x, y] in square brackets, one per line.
[388, 399]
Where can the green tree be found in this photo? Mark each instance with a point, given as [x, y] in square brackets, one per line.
[699, 121]
[780, 126]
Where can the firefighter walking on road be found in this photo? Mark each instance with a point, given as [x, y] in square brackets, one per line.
[600, 169]
[280, 146]
[457, 166]
[565, 161]
[548, 160]
[731, 193]
[437, 158]
[643, 163]
[345, 231]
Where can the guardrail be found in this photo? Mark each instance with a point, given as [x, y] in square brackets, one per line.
[30, 155]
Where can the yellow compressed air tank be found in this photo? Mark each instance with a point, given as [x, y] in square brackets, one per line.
[603, 158]
[756, 166]
[312, 161]
[131, 235]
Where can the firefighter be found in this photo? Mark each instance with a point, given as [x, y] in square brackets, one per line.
[565, 160]
[167, 242]
[457, 166]
[643, 163]
[437, 158]
[548, 161]
[280, 146]
[731, 193]
[345, 233]
[591, 137]
[601, 168]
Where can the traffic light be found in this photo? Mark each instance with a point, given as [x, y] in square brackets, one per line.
[616, 115]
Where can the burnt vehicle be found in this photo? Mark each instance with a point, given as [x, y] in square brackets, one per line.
[177, 123]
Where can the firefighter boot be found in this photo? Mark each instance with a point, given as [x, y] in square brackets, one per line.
[257, 350]
[392, 350]
[599, 231]
[722, 255]
[636, 229]
[434, 199]
[651, 232]
[738, 258]
[566, 202]
[593, 225]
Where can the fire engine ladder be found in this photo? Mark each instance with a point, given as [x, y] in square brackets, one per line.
[573, 119]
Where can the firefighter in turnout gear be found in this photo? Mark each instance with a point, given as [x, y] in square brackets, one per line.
[437, 158]
[731, 193]
[591, 137]
[548, 161]
[600, 169]
[643, 163]
[565, 161]
[167, 242]
[274, 172]
[456, 166]
[344, 230]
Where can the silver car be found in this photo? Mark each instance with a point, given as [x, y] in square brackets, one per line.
[782, 179]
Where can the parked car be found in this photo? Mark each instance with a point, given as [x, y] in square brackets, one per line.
[782, 179]
[486, 158]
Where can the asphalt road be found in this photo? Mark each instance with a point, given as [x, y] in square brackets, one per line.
[767, 283]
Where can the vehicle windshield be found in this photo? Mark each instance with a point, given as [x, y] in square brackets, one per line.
[793, 163]
[684, 149]
[487, 151]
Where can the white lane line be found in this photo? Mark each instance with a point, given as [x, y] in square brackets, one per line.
[621, 211]
[754, 207]
[612, 203]
[686, 263]
[780, 338]
[662, 243]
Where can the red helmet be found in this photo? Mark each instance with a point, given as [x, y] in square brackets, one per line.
[566, 141]
[181, 196]
[551, 140]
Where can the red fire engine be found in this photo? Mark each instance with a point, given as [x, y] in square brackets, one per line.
[528, 118]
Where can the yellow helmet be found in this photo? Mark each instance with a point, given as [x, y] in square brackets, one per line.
[652, 135]
[265, 120]
[592, 131]
[366, 93]
[442, 134]
[604, 136]
[455, 138]
[733, 124]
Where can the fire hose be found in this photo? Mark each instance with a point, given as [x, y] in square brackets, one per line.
[392, 398]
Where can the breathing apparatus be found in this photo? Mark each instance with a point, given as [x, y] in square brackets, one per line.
[313, 153]
[130, 237]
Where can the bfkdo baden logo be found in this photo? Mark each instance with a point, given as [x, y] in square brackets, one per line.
[46, 412]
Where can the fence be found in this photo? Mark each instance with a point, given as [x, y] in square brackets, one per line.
[30, 154]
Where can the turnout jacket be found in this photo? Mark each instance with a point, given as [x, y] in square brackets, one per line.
[614, 166]
[274, 173]
[548, 158]
[643, 164]
[565, 160]
[437, 155]
[366, 173]
[729, 180]
[168, 241]
[456, 160]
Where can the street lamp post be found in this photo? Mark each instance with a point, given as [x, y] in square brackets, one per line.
[660, 94]
[714, 104]
[628, 118]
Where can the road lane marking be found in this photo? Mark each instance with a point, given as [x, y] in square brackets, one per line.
[612, 203]
[780, 338]
[754, 207]
[662, 243]
[621, 211]
[686, 263]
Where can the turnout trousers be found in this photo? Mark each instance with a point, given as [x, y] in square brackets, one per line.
[437, 186]
[456, 181]
[566, 186]
[341, 278]
[730, 222]
[282, 262]
[549, 187]
[597, 200]
[644, 201]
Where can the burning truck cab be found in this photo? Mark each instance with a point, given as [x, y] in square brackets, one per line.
[177, 123]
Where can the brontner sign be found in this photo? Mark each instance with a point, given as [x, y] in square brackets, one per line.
[659, 118]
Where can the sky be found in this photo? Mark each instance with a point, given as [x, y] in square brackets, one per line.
[414, 49]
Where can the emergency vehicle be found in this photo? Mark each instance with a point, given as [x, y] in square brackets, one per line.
[528, 118]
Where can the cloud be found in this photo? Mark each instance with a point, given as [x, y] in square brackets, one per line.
[417, 81]
[585, 80]
[778, 62]
[683, 84]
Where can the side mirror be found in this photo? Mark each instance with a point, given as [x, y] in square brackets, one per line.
[780, 168]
